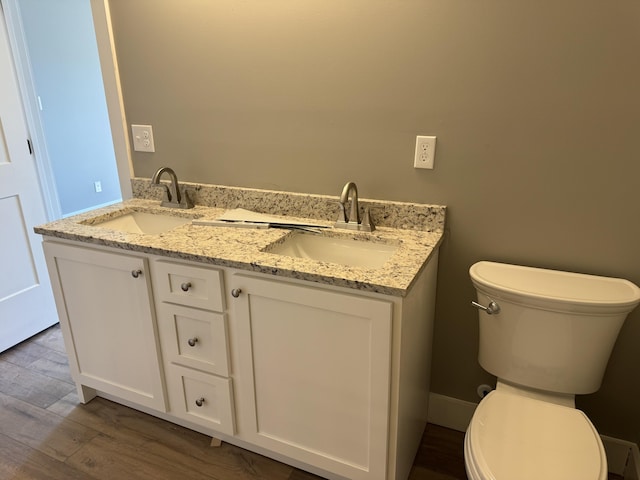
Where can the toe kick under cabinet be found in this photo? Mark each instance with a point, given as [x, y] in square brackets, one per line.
[331, 380]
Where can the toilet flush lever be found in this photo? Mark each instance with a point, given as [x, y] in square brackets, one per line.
[491, 309]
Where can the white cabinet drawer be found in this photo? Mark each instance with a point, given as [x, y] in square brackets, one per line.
[188, 285]
[194, 338]
[204, 399]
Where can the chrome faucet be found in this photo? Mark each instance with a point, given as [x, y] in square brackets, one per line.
[172, 197]
[352, 221]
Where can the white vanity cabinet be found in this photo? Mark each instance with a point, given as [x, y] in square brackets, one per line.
[193, 335]
[331, 380]
[315, 370]
[104, 306]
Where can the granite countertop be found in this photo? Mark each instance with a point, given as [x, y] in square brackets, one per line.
[247, 249]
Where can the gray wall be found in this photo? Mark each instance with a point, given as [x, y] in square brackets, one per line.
[66, 71]
[535, 105]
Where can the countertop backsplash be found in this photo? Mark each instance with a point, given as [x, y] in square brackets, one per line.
[408, 216]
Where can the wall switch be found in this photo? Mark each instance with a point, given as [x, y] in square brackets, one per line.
[425, 152]
[143, 138]
[98, 186]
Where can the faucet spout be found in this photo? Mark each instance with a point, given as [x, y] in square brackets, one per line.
[172, 195]
[350, 189]
[352, 221]
[170, 192]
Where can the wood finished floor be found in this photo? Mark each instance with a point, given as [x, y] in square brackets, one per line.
[45, 433]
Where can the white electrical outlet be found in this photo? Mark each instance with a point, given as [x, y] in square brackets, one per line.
[143, 138]
[98, 186]
[425, 152]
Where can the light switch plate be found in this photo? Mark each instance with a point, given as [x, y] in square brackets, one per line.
[143, 138]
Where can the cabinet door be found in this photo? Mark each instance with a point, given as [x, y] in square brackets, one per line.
[106, 318]
[314, 373]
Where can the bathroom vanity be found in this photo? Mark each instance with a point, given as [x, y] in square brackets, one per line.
[319, 365]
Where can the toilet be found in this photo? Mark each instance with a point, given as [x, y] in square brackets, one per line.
[547, 336]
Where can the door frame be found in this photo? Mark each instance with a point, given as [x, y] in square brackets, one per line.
[113, 94]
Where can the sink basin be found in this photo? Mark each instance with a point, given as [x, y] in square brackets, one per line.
[143, 222]
[344, 251]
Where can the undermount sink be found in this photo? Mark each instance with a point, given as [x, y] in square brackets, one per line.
[344, 251]
[143, 222]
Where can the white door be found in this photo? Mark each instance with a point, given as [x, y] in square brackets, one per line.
[26, 300]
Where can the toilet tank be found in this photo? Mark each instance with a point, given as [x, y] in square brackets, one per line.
[555, 330]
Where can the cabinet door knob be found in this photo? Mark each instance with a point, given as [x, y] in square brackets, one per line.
[235, 293]
[192, 341]
[200, 401]
[185, 286]
[136, 273]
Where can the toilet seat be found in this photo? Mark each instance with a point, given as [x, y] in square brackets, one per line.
[512, 437]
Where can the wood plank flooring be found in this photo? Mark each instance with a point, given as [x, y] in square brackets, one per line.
[45, 433]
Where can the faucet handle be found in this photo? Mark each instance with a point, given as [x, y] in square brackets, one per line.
[166, 193]
[342, 214]
[185, 201]
[367, 224]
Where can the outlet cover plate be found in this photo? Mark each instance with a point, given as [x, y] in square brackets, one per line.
[425, 154]
[143, 138]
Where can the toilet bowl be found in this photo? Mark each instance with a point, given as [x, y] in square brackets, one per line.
[547, 336]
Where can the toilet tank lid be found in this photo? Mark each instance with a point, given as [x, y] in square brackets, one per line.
[518, 437]
[575, 288]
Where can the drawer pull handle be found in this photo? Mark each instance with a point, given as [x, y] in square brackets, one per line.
[136, 273]
[200, 401]
[185, 286]
[235, 293]
[192, 341]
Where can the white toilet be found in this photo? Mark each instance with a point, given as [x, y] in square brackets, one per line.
[547, 336]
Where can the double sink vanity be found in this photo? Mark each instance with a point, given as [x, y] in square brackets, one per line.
[309, 344]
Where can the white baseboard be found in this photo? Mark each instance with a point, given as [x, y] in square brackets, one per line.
[620, 457]
[450, 412]
[632, 471]
[623, 457]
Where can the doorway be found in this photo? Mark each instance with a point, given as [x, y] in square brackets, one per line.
[65, 97]
[29, 189]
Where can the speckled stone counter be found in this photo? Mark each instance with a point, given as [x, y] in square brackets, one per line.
[415, 228]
